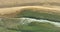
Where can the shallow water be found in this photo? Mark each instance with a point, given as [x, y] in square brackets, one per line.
[28, 25]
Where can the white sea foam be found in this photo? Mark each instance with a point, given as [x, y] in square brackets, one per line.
[29, 20]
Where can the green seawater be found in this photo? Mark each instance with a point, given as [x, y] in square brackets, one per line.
[14, 25]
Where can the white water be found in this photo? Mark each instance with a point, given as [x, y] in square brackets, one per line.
[29, 20]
